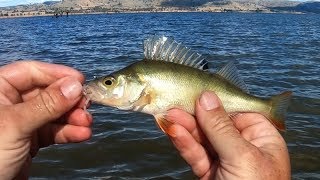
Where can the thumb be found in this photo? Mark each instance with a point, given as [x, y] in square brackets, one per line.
[218, 127]
[48, 105]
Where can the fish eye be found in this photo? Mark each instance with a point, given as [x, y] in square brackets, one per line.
[108, 81]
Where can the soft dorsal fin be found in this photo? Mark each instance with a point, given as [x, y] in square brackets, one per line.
[161, 48]
[230, 73]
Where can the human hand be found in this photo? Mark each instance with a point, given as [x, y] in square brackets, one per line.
[40, 105]
[216, 147]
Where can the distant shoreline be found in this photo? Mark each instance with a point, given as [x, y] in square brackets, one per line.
[77, 7]
[10, 17]
[128, 12]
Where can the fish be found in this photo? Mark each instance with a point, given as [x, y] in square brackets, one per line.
[172, 75]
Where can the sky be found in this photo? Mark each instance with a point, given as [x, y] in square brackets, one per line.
[4, 3]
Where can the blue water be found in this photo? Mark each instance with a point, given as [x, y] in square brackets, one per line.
[273, 52]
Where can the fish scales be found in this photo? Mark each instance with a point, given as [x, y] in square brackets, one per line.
[173, 76]
[178, 86]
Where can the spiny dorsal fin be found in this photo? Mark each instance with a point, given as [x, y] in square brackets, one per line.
[161, 48]
[230, 73]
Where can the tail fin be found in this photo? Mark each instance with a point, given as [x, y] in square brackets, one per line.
[279, 106]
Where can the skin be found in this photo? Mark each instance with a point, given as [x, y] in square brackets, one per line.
[217, 147]
[40, 104]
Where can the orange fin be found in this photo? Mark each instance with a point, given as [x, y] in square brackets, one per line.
[164, 124]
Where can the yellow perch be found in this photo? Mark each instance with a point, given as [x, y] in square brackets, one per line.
[172, 76]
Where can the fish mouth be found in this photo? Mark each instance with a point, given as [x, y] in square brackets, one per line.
[86, 91]
[92, 92]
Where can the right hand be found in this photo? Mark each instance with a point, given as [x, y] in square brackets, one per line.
[216, 147]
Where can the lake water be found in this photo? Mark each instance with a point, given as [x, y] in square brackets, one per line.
[273, 52]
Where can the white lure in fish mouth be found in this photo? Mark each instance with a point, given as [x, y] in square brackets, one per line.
[86, 90]
[90, 93]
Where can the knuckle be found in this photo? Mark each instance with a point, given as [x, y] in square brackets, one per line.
[221, 123]
[22, 64]
[48, 102]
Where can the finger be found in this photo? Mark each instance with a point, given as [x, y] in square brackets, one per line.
[253, 125]
[35, 91]
[218, 127]
[48, 105]
[31, 93]
[70, 133]
[258, 130]
[244, 120]
[5, 100]
[84, 103]
[78, 117]
[8, 94]
[187, 121]
[24, 75]
[60, 134]
[193, 153]
[183, 118]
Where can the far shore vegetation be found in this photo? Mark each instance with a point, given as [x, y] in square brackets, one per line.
[53, 10]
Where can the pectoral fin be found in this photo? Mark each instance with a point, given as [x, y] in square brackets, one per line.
[164, 124]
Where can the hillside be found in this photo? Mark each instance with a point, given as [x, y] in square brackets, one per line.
[106, 6]
[241, 5]
[309, 7]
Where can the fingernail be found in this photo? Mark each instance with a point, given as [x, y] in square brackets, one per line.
[209, 101]
[71, 88]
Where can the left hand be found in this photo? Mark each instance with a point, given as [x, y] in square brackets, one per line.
[40, 104]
